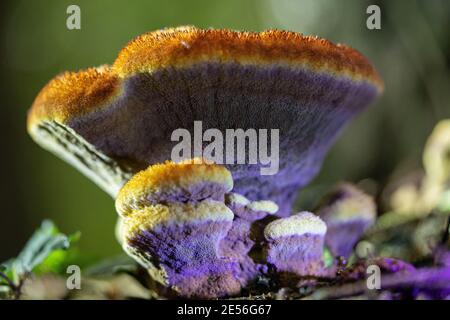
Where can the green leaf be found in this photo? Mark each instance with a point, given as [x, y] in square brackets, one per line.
[327, 258]
[46, 251]
[43, 242]
[58, 260]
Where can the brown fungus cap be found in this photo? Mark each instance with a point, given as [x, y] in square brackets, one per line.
[111, 122]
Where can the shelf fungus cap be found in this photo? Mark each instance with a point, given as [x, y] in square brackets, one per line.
[177, 237]
[113, 121]
[295, 244]
[250, 210]
[348, 213]
[188, 181]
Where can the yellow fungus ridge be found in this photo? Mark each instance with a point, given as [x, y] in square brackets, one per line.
[169, 177]
[152, 216]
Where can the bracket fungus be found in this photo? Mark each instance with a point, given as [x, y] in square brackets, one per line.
[348, 213]
[203, 229]
[182, 222]
[173, 222]
[295, 244]
[113, 121]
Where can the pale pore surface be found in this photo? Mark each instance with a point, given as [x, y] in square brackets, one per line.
[298, 224]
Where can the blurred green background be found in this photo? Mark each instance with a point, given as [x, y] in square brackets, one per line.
[411, 51]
